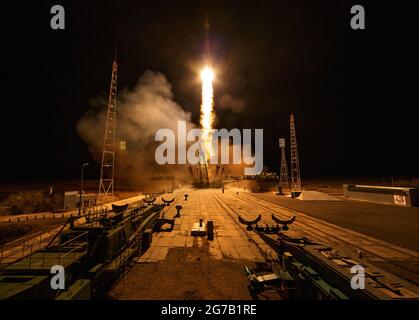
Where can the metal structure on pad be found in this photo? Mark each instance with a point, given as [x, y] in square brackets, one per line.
[283, 176]
[92, 248]
[302, 269]
[295, 162]
[107, 169]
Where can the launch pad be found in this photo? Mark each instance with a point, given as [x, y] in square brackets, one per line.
[243, 241]
[198, 262]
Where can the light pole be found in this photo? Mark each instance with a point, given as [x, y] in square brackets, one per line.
[81, 186]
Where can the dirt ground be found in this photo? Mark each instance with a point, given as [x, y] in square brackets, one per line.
[10, 231]
[185, 274]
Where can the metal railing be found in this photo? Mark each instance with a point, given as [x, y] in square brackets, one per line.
[21, 248]
[75, 244]
[24, 252]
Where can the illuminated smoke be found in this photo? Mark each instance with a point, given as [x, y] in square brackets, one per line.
[143, 110]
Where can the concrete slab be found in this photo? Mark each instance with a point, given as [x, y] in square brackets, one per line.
[316, 196]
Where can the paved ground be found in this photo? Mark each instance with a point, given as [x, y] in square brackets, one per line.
[395, 224]
[230, 241]
[187, 273]
[179, 266]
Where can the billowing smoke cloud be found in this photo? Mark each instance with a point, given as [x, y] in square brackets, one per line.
[141, 112]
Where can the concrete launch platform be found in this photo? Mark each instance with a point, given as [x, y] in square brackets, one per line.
[181, 266]
[230, 240]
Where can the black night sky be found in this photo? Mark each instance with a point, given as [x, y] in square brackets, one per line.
[354, 93]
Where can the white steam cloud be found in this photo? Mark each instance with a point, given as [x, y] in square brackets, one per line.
[141, 112]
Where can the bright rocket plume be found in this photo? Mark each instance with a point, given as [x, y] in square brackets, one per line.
[207, 112]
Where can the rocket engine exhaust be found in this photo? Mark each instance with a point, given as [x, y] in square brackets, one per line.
[207, 112]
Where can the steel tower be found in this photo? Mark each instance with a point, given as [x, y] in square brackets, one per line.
[283, 177]
[295, 163]
[106, 184]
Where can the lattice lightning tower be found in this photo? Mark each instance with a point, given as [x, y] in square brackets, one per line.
[106, 184]
[295, 163]
[283, 176]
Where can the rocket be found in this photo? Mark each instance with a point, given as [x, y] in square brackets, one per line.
[207, 48]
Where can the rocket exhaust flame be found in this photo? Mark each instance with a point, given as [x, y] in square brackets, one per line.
[207, 112]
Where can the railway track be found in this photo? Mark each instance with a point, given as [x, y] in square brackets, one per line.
[329, 233]
[264, 250]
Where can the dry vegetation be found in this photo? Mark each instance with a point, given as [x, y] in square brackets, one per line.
[31, 202]
[15, 230]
